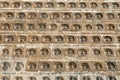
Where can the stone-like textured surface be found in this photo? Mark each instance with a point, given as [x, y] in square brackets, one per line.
[59, 40]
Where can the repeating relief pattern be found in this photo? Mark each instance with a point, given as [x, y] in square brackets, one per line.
[59, 39]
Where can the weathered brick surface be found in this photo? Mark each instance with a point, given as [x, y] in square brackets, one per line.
[59, 40]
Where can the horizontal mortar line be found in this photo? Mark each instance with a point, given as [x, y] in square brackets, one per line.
[102, 72]
[58, 32]
[24, 73]
[61, 46]
[52, 44]
[71, 0]
[61, 20]
[68, 0]
[60, 60]
[60, 9]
